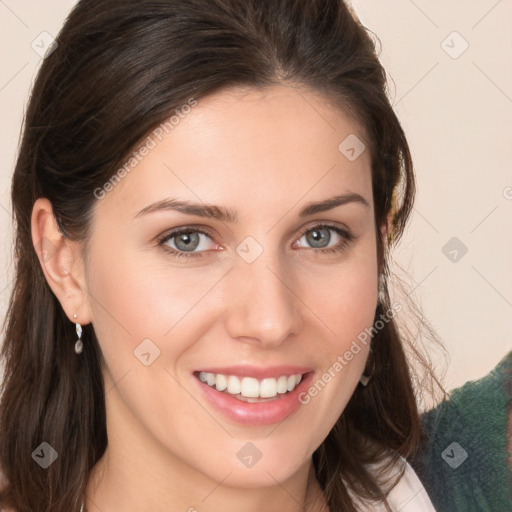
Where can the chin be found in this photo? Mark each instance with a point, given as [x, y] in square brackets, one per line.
[254, 478]
[277, 466]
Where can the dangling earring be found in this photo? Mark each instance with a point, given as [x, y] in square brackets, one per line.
[382, 289]
[79, 346]
[365, 378]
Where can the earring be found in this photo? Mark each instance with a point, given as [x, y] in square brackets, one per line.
[79, 346]
[365, 378]
[382, 289]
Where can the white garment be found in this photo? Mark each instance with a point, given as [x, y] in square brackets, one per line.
[408, 495]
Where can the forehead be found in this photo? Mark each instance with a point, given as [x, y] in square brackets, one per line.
[261, 147]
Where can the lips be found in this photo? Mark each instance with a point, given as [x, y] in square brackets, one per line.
[251, 395]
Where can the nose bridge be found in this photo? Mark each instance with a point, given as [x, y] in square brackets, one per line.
[265, 307]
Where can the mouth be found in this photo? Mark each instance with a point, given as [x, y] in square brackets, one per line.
[254, 397]
[251, 389]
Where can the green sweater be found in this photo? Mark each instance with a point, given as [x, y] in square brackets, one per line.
[464, 465]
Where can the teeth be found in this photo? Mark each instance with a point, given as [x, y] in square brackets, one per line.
[268, 388]
[291, 382]
[233, 385]
[250, 387]
[221, 383]
[282, 384]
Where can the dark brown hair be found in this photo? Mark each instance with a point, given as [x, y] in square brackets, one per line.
[120, 68]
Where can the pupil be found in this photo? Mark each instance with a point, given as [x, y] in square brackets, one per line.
[319, 235]
[185, 241]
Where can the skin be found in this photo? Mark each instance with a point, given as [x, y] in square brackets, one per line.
[265, 154]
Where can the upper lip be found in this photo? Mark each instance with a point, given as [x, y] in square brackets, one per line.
[257, 372]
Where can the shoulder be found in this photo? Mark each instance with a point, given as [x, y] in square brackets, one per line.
[464, 461]
[407, 495]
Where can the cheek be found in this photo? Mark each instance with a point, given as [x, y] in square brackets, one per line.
[344, 296]
[142, 306]
[345, 301]
[135, 297]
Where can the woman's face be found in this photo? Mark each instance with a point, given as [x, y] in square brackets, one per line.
[260, 287]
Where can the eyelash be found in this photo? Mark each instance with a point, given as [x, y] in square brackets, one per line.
[346, 236]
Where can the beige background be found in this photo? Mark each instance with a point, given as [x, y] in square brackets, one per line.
[456, 108]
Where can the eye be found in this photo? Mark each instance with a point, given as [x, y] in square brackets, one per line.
[193, 242]
[184, 241]
[319, 237]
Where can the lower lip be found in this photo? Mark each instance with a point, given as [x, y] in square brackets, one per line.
[258, 413]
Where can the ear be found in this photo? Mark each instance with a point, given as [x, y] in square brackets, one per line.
[61, 262]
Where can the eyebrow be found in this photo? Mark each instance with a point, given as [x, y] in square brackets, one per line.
[226, 215]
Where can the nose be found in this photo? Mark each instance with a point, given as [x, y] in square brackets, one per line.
[264, 307]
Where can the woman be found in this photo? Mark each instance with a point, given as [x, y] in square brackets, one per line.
[205, 198]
